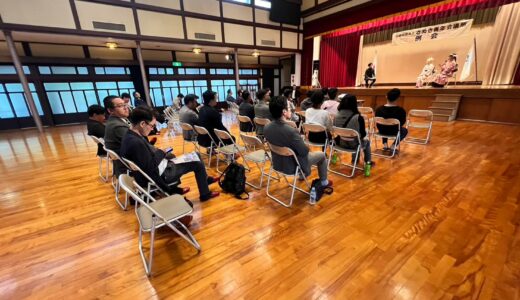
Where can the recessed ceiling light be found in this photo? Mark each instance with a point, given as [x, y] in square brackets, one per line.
[197, 50]
[111, 45]
[256, 53]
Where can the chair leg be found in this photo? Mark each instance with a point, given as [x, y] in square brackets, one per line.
[293, 186]
[117, 190]
[188, 236]
[147, 263]
[100, 167]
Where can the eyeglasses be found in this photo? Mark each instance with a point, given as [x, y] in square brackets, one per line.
[150, 124]
[121, 105]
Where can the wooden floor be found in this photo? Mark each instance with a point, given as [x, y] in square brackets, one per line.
[440, 222]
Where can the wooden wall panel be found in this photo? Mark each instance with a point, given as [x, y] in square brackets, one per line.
[474, 108]
[505, 110]
[414, 102]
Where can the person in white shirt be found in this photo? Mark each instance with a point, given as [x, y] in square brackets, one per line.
[316, 115]
[426, 73]
[331, 105]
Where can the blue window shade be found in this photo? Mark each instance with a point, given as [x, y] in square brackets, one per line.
[58, 86]
[157, 97]
[102, 94]
[167, 94]
[14, 87]
[169, 71]
[77, 86]
[169, 83]
[99, 70]
[181, 71]
[192, 71]
[82, 70]
[155, 84]
[222, 71]
[252, 81]
[106, 85]
[229, 82]
[26, 70]
[127, 71]
[80, 100]
[8, 70]
[185, 83]
[68, 102]
[55, 102]
[5, 107]
[125, 84]
[161, 71]
[44, 70]
[19, 105]
[242, 82]
[115, 70]
[91, 98]
[152, 71]
[64, 70]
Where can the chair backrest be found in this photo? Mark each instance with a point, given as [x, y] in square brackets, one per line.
[222, 135]
[200, 130]
[130, 186]
[132, 166]
[309, 127]
[346, 134]
[187, 127]
[366, 110]
[301, 113]
[291, 123]
[244, 119]
[283, 151]
[360, 102]
[97, 140]
[387, 122]
[261, 121]
[425, 115]
[251, 141]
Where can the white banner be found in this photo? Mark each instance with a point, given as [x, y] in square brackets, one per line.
[431, 33]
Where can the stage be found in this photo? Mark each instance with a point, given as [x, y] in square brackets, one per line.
[497, 104]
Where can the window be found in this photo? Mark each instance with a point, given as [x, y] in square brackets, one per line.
[9, 70]
[62, 70]
[242, 1]
[196, 87]
[191, 71]
[160, 71]
[112, 71]
[221, 71]
[263, 3]
[163, 92]
[221, 87]
[13, 103]
[251, 85]
[248, 71]
[107, 88]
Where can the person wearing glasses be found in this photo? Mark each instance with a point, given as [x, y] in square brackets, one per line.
[116, 127]
[157, 163]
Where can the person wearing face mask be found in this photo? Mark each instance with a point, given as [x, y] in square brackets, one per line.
[157, 163]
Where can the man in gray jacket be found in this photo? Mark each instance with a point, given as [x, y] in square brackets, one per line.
[279, 133]
[262, 109]
[116, 126]
[188, 114]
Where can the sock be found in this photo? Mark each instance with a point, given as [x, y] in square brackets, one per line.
[325, 182]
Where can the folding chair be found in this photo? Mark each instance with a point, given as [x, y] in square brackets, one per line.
[203, 131]
[292, 124]
[301, 113]
[258, 157]
[316, 128]
[152, 185]
[345, 134]
[396, 138]
[156, 214]
[186, 128]
[246, 120]
[115, 183]
[287, 152]
[173, 120]
[368, 114]
[261, 122]
[420, 119]
[101, 158]
[228, 150]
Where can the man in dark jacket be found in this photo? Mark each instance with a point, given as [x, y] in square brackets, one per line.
[279, 133]
[210, 119]
[116, 127]
[247, 109]
[370, 75]
[138, 101]
[156, 163]
[392, 111]
[262, 109]
[95, 126]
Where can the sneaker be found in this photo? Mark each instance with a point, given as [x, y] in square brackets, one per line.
[209, 196]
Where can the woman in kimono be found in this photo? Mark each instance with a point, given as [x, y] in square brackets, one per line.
[427, 72]
[449, 67]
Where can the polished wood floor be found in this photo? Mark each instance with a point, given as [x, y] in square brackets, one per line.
[442, 221]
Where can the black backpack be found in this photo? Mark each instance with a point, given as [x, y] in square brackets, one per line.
[233, 180]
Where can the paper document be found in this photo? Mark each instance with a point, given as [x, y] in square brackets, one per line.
[188, 157]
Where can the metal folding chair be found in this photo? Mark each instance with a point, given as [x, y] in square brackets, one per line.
[301, 113]
[261, 122]
[186, 128]
[257, 155]
[156, 214]
[230, 150]
[287, 152]
[105, 158]
[203, 131]
[396, 138]
[115, 182]
[292, 124]
[419, 119]
[345, 134]
[246, 120]
[316, 128]
[368, 115]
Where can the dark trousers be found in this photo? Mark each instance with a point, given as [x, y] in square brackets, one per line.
[404, 133]
[173, 172]
[371, 84]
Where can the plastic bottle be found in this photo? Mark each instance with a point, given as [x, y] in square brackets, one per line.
[368, 166]
[334, 158]
[313, 196]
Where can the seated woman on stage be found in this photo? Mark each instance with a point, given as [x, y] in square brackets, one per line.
[449, 67]
[427, 72]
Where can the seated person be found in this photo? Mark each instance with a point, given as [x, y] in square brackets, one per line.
[426, 73]
[126, 97]
[279, 133]
[306, 103]
[331, 105]
[230, 97]
[262, 109]
[287, 93]
[155, 162]
[448, 68]
[349, 117]
[370, 76]
[392, 111]
[177, 102]
[210, 119]
[316, 115]
[116, 127]
[247, 109]
[95, 125]
[188, 114]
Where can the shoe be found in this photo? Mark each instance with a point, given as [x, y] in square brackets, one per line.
[179, 190]
[209, 196]
[329, 184]
[212, 179]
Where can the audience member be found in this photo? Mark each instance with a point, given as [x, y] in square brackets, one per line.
[247, 109]
[392, 111]
[279, 133]
[287, 93]
[262, 109]
[348, 116]
[239, 96]
[316, 115]
[137, 100]
[188, 114]
[177, 103]
[155, 162]
[96, 126]
[331, 105]
[126, 97]
[307, 103]
[116, 127]
[230, 97]
[210, 119]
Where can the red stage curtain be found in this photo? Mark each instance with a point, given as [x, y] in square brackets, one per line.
[307, 62]
[338, 60]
